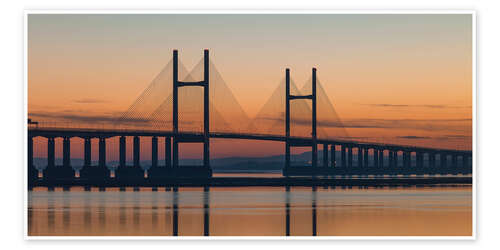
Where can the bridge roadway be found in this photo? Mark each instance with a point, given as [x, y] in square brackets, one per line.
[377, 164]
[55, 132]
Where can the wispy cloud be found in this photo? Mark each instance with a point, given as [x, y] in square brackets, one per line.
[386, 105]
[456, 124]
[89, 101]
[413, 137]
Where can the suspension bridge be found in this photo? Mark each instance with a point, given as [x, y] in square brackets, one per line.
[195, 111]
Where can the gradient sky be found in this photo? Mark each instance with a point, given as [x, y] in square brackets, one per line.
[411, 70]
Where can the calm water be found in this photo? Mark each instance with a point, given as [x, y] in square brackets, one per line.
[252, 211]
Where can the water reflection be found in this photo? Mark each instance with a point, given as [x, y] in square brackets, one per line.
[257, 211]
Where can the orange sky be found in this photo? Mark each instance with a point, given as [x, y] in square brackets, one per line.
[409, 77]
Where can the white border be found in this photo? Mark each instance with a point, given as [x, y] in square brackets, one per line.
[182, 11]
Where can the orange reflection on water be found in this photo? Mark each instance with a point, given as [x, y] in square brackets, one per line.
[253, 211]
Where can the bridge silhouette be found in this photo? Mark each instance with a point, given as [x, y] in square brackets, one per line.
[308, 119]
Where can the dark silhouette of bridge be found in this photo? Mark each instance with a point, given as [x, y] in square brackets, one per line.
[449, 161]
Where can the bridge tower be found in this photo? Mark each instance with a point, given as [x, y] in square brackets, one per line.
[289, 142]
[204, 138]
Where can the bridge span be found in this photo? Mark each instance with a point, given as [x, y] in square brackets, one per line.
[372, 158]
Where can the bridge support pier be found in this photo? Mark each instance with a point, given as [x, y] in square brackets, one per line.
[333, 156]
[137, 151]
[123, 151]
[381, 158]
[391, 159]
[32, 171]
[325, 155]
[464, 161]
[375, 158]
[444, 161]
[154, 152]
[343, 156]
[365, 157]
[432, 160]
[168, 152]
[102, 152]
[454, 160]
[51, 152]
[87, 152]
[407, 156]
[420, 160]
[66, 152]
[349, 156]
[360, 157]
[30, 152]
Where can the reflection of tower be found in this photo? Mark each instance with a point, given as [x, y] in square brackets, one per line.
[290, 143]
[206, 129]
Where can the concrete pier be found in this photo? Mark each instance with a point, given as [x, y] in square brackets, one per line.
[343, 155]
[50, 152]
[137, 151]
[349, 155]
[66, 152]
[87, 151]
[325, 155]
[102, 152]
[154, 151]
[333, 156]
[123, 151]
[360, 157]
[168, 152]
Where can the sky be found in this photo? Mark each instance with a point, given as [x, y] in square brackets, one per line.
[406, 78]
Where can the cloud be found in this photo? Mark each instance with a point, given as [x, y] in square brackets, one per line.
[90, 101]
[456, 124]
[385, 105]
[87, 118]
[414, 137]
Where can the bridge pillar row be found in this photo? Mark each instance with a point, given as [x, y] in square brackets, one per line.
[154, 152]
[50, 152]
[102, 152]
[66, 152]
[87, 151]
[137, 151]
[123, 151]
[375, 157]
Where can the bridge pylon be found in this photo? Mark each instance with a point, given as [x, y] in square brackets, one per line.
[178, 137]
[289, 141]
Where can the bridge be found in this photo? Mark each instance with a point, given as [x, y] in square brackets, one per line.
[301, 129]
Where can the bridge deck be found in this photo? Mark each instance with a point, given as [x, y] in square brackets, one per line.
[103, 132]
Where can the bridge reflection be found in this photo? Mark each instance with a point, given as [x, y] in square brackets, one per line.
[123, 213]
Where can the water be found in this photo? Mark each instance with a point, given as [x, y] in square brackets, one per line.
[253, 211]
